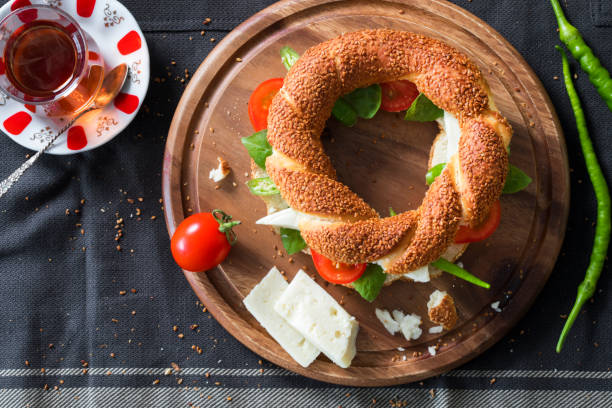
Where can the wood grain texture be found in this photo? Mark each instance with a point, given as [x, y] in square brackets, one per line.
[384, 160]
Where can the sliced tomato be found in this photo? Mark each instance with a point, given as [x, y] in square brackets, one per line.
[260, 100]
[467, 234]
[397, 96]
[336, 272]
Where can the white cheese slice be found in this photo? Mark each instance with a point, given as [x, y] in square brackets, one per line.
[314, 313]
[260, 303]
[453, 133]
[287, 218]
[387, 321]
[440, 144]
[436, 329]
[420, 275]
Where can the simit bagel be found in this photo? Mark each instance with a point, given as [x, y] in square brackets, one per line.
[332, 219]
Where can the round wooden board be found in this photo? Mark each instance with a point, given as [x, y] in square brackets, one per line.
[384, 160]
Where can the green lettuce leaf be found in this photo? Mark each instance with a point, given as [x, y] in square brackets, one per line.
[292, 240]
[362, 102]
[365, 101]
[258, 147]
[516, 180]
[423, 110]
[370, 283]
[288, 56]
[344, 113]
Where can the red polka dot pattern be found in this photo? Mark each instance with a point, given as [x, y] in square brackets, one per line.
[25, 16]
[126, 103]
[16, 123]
[129, 43]
[77, 139]
[85, 8]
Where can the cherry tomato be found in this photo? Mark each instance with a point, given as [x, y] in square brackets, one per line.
[259, 102]
[199, 243]
[467, 234]
[397, 96]
[336, 272]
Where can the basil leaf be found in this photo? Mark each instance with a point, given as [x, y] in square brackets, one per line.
[344, 112]
[516, 180]
[434, 172]
[258, 147]
[262, 186]
[292, 240]
[392, 212]
[423, 110]
[288, 56]
[370, 283]
[365, 101]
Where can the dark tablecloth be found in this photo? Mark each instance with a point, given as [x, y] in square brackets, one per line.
[64, 308]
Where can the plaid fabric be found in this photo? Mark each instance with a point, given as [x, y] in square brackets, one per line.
[63, 309]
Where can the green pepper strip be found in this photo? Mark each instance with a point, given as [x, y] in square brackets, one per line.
[461, 273]
[586, 289]
[570, 36]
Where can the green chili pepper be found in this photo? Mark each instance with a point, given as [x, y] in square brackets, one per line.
[262, 186]
[434, 172]
[570, 36]
[586, 289]
[459, 272]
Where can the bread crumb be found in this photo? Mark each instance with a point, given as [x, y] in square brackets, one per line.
[441, 309]
[221, 172]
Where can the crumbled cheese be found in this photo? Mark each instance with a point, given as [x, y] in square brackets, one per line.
[436, 329]
[221, 172]
[398, 316]
[396, 321]
[432, 350]
[410, 326]
[495, 306]
[385, 318]
[401, 349]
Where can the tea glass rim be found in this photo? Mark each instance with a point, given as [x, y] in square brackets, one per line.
[80, 70]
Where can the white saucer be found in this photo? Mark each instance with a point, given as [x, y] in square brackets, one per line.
[110, 24]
